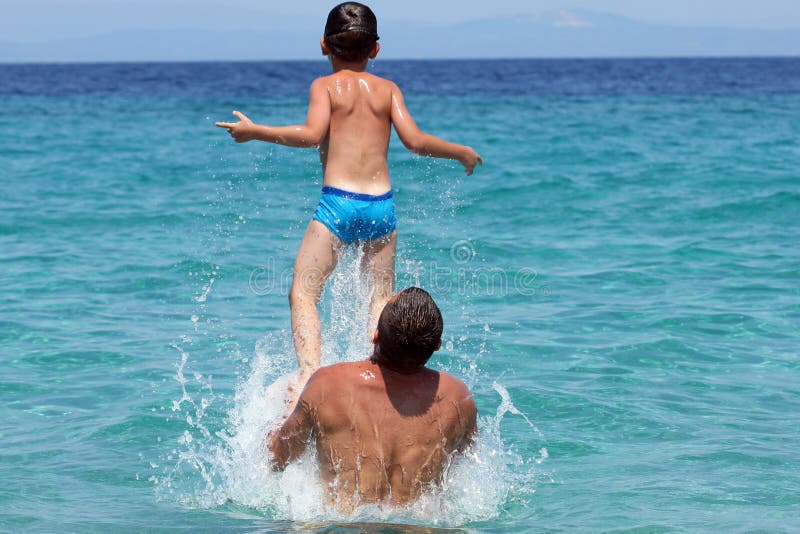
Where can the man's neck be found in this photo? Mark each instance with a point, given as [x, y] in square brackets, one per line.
[381, 362]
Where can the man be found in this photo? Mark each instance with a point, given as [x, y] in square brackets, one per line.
[384, 428]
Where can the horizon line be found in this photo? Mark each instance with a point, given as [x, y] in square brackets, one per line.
[299, 60]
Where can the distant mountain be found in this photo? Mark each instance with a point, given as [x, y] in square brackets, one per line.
[168, 45]
[561, 33]
[581, 33]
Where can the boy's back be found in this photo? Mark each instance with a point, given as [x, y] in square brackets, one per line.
[350, 117]
[353, 153]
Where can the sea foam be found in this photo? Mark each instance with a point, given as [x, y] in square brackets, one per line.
[230, 466]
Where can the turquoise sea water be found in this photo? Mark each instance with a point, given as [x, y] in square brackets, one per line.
[619, 283]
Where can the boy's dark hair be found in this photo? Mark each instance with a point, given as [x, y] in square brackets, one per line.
[351, 31]
[409, 330]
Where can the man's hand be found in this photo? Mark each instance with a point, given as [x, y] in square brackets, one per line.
[288, 442]
[241, 131]
[469, 159]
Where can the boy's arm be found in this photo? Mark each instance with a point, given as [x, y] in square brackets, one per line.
[310, 134]
[425, 144]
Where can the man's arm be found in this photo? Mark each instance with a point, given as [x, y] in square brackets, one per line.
[469, 414]
[426, 144]
[307, 135]
[288, 443]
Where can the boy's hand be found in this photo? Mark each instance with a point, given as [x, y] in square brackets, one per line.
[241, 131]
[469, 159]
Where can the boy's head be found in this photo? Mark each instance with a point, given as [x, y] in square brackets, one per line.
[409, 330]
[351, 32]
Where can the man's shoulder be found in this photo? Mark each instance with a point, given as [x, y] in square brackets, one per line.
[451, 379]
[342, 376]
[337, 371]
[452, 385]
[345, 366]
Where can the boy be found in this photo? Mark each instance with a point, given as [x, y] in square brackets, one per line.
[350, 116]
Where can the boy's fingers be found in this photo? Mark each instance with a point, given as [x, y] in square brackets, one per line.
[241, 116]
[224, 124]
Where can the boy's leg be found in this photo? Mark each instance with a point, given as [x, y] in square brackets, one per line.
[378, 262]
[315, 261]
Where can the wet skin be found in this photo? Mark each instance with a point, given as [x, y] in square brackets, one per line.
[350, 117]
[381, 436]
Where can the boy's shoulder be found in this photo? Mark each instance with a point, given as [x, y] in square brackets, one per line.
[340, 76]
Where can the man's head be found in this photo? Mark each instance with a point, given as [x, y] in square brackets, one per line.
[351, 33]
[409, 330]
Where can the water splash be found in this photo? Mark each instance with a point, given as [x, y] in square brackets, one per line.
[210, 469]
[506, 406]
[346, 334]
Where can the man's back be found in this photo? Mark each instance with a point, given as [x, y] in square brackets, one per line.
[384, 436]
[384, 428]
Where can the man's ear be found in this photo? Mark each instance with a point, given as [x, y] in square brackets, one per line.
[438, 346]
[375, 51]
[375, 337]
[324, 47]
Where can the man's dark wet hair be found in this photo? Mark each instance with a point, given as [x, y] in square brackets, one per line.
[351, 31]
[409, 330]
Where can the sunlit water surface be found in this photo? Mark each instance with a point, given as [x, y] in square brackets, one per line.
[619, 283]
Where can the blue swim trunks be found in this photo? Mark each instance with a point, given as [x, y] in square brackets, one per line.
[355, 216]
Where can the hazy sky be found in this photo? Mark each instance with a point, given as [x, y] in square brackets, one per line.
[42, 20]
